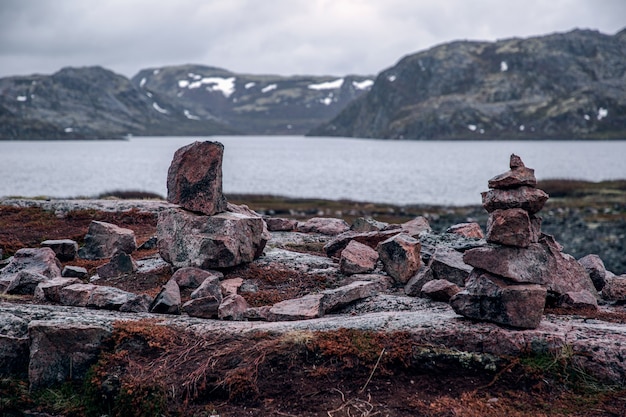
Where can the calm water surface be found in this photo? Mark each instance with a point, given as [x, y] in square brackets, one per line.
[399, 172]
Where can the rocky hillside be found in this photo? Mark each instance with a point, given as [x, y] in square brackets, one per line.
[253, 104]
[92, 103]
[95, 103]
[561, 86]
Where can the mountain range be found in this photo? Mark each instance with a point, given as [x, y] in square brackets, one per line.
[559, 86]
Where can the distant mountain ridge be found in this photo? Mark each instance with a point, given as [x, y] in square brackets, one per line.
[95, 103]
[560, 86]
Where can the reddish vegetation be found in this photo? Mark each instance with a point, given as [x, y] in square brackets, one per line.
[148, 369]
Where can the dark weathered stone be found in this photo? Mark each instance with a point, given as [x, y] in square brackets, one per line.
[400, 255]
[65, 249]
[357, 258]
[512, 227]
[25, 282]
[49, 291]
[526, 198]
[440, 290]
[109, 298]
[104, 239]
[303, 308]
[487, 297]
[168, 300]
[191, 277]
[76, 294]
[595, 268]
[120, 264]
[210, 287]
[336, 298]
[334, 247]
[580, 300]
[219, 241]
[423, 275]
[366, 224]
[541, 263]
[516, 177]
[194, 178]
[448, 264]
[614, 288]
[140, 304]
[70, 271]
[203, 307]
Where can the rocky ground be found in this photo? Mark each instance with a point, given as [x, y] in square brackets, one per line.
[386, 355]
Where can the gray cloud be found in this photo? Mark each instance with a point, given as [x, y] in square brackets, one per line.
[278, 36]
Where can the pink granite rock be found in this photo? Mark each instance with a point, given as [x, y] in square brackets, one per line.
[518, 175]
[440, 290]
[194, 179]
[400, 255]
[323, 225]
[40, 261]
[277, 224]
[168, 301]
[357, 258]
[232, 307]
[470, 230]
[513, 227]
[120, 264]
[104, 239]
[579, 300]
[191, 277]
[526, 198]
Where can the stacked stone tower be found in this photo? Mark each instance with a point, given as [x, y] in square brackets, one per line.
[520, 267]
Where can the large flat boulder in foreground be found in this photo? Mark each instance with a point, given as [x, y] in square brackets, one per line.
[220, 241]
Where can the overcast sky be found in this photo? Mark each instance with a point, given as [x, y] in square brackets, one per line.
[334, 37]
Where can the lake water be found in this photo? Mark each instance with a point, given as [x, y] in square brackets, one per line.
[398, 172]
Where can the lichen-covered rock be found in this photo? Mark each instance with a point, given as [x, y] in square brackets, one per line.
[414, 286]
[104, 239]
[168, 301]
[109, 298]
[220, 241]
[448, 264]
[400, 255]
[38, 261]
[49, 291]
[76, 294]
[357, 258]
[595, 268]
[614, 288]
[366, 224]
[194, 178]
[278, 224]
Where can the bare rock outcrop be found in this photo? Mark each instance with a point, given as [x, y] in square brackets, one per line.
[28, 267]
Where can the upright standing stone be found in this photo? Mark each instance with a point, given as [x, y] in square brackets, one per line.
[194, 179]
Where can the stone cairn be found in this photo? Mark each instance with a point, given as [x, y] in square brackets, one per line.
[521, 267]
[205, 231]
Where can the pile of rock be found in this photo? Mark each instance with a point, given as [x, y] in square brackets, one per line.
[513, 276]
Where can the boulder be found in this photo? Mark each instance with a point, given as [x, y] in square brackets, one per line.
[541, 263]
[448, 264]
[13, 355]
[65, 249]
[277, 224]
[357, 258]
[191, 277]
[526, 198]
[70, 271]
[210, 287]
[366, 224]
[194, 178]
[579, 300]
[219, 241]
[109, 298]
[414, 286]
[233, 308]
[230, 286]
[104, 239]
[470, 230]
[203, 307]
[140, 304]
[76, 294]
[41, 261]
[25, 282]
[513, 227]
[595, 268]
[49, 291]
[168, 301]
[335, 246]
[614, 288]
[400, 255]
[440, 290]
[148, 244]
[323, 225]
[120, 264]
[490, 298]
[61, 350]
